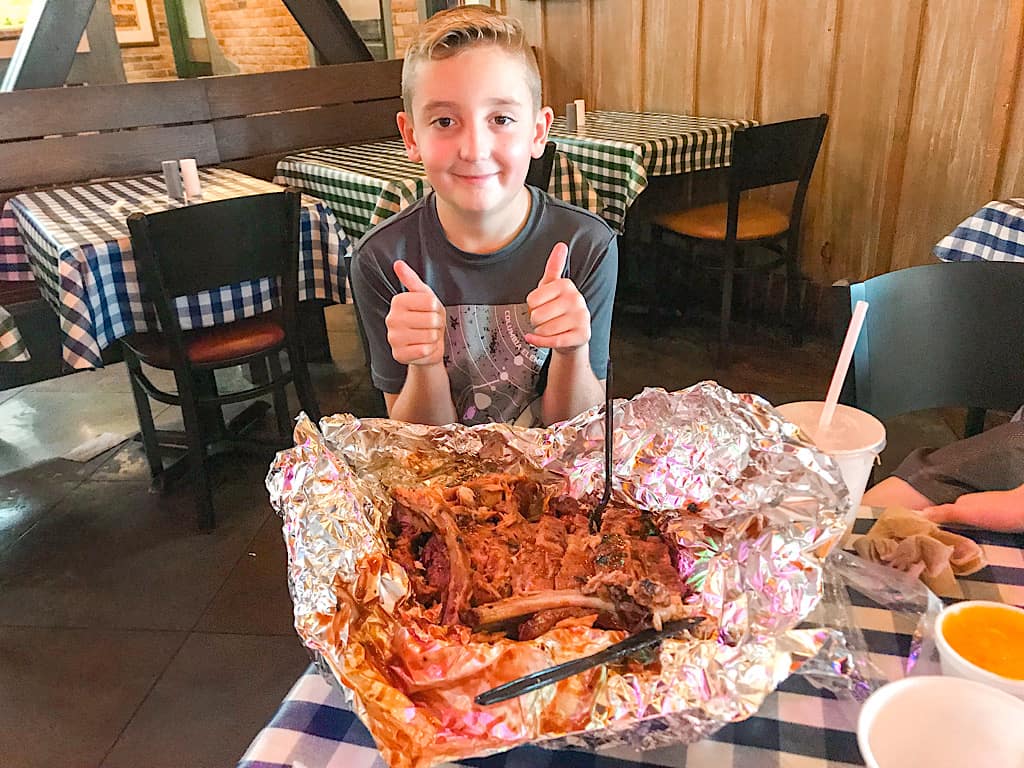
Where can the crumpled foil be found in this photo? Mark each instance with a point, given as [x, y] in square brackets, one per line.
[772, 509]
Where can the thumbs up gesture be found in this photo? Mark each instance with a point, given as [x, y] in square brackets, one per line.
[415, 321]
[558, 311]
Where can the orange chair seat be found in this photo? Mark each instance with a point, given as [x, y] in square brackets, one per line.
[208, 346]
[757, 220]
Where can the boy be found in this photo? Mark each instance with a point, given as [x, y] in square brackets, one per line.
[468, 295]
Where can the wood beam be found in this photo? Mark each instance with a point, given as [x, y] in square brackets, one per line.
[46, 49]
[328, 28]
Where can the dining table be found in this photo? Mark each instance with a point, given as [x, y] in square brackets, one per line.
[368, 182]
[799, 725]
[995, 232]
[619, 152]
[74, 242]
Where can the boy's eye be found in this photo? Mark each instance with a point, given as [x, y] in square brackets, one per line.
[504, 119]
[443, 122]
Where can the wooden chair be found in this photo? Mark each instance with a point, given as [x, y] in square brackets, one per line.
[539, 174]
[182, 252]
[937, 336]
[762, 156]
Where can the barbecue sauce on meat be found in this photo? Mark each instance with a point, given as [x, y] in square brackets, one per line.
[496, 551]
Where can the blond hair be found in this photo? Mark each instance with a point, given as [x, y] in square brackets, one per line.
[447, 33]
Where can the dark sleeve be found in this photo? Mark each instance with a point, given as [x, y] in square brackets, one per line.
[371, 293]
[598, 289]
[991, 461]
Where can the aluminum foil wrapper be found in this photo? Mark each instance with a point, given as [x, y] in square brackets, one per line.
[772, 508]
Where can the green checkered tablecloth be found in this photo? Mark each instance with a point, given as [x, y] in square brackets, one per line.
[12, 348]
[619, 151]
[366, 183]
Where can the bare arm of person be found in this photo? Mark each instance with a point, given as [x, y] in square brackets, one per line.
[561, 322]
[993, 510]
[415, 326]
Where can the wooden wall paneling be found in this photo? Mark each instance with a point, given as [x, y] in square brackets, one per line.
[1008, 174]
[243, 137]
[873, 79]
[729, 58]
[796, 59]
[97, 155]
[530, 13]
[617, 53]
[797, 51]
[671, 45]
[567, 52]
[50, 111]
[234, 95]
[953, 107]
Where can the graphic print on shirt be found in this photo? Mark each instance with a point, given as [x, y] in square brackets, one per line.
[493, 371]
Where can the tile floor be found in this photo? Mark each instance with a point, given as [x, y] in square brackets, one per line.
[127, 638]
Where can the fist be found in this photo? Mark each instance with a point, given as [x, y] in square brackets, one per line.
[415, 321]
[558, 311]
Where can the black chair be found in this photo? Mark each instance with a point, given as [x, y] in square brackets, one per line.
[182, 252]
[942, 335]
[762, 156]
[539, 174]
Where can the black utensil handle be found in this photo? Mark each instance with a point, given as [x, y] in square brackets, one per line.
[614, 652]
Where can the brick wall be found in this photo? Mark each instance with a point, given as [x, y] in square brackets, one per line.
[151, 62]
[404, 20]
[258, 35]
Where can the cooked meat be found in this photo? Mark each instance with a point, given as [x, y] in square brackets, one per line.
[524, 605]
[497, 551]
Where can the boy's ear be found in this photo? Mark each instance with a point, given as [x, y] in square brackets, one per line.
[405, 127]
[540, 130]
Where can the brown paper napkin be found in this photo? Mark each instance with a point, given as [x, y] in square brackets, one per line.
[904, 540]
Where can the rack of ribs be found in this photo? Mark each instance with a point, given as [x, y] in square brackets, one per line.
[498, 553]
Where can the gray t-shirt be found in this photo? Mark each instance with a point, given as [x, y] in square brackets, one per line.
[494, 373]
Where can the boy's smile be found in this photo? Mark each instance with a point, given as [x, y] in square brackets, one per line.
[475, 129]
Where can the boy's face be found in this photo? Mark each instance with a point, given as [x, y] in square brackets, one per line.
[474, 128]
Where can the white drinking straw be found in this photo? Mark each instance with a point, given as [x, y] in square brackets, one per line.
[842, 366]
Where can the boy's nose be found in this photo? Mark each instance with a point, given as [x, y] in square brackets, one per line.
[476, 144]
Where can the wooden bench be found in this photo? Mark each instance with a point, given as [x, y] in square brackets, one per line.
[58, 136]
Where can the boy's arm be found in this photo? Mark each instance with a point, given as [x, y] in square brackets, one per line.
[417, 396]
[572, 386]
[562, 321]
[415, 326]
[425, 398]
[994, 510]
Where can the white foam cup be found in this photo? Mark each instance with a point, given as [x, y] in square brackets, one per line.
[934, 722]
[854, 439]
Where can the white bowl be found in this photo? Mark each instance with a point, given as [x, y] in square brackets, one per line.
[941, 722]
[955, 665]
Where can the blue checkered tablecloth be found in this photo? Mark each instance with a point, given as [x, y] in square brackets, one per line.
[75, 242]
[619, 151]
[994, 233]
[798, 726]
[367, 183]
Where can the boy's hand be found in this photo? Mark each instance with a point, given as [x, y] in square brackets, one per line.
[415, 322]
[558, 311]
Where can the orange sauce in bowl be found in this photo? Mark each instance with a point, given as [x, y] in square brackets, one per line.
[989, 637]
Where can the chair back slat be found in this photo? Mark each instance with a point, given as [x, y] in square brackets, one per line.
[539, 174]
[776, 153]
[188, 250]
[941, 335]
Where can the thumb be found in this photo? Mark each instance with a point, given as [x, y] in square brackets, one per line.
[408, 277]
[556, 263]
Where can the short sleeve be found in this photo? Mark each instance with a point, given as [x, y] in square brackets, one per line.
[372, 292]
